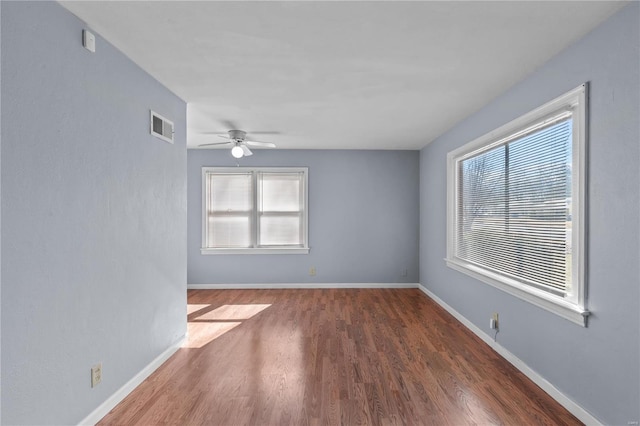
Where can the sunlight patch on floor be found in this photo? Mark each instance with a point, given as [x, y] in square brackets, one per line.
[233, 312]
[207, 327]
[201, 333]
[191, 308]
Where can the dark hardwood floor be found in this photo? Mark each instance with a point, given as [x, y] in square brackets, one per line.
[352, 356]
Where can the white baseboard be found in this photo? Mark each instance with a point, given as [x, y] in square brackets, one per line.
[582, 414]
[104, 408]
[298, 286]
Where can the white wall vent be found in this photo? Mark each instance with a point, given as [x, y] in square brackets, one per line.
[161, 127]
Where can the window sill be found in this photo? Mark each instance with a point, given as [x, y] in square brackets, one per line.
[549, 302]
[263, 250]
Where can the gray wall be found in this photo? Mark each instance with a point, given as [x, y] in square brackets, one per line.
[363, 220]
[93, 218]
[598, 366]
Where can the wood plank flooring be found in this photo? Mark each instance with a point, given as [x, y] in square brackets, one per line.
[330, 357]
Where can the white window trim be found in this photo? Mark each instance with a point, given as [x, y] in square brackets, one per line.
[575, 309]
[256, 250]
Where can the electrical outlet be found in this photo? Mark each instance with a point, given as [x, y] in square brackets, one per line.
[494, 321]
[312, 271]
[404, 272]
[96, 375]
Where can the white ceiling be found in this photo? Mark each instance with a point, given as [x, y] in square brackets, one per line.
[345, 75]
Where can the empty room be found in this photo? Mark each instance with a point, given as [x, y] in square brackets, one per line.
[319, 212]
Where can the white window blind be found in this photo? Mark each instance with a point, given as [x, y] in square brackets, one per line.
[281, 209]
[229, 210]
[516, 207]
[515, 204]
[254, 210]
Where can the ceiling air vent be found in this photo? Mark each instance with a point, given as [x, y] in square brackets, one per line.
[161, 127]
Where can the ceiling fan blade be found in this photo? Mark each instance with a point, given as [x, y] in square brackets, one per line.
[225, 136]
[215, 143]
[258, 143]
[258, 132]
[245, 149]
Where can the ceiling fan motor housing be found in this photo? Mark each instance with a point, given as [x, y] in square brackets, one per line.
[237, 135]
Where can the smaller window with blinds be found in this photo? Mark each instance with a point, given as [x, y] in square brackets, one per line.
[254, 210]
[516, 215]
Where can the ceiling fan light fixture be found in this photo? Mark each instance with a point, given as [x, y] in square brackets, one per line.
[237, 151]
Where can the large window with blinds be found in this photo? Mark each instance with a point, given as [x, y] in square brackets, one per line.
[254, 210]
[516, 207]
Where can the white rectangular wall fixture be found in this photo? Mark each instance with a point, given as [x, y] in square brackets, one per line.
[89, 41]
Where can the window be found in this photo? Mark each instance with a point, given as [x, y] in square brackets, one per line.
[516, 215]
[254, 210]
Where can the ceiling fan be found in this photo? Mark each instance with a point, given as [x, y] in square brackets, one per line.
[239, 141]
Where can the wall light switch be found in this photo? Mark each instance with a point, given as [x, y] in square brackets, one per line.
[89, 40]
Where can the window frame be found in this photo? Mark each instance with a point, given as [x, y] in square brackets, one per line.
[575, 101]
[254, 214]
